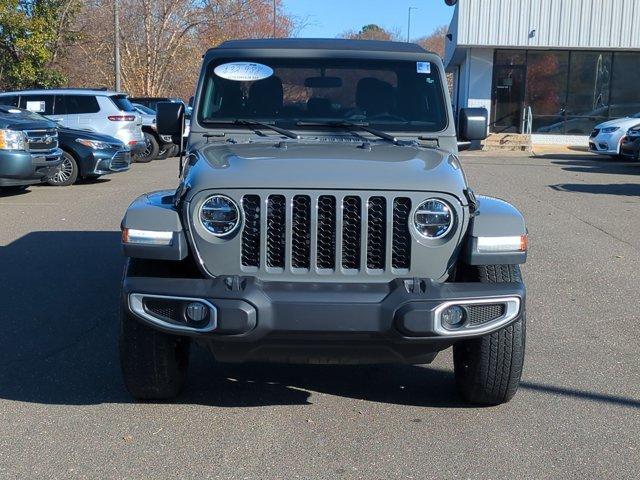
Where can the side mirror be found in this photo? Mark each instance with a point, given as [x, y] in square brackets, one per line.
[472, 124]
[170, 120]
[191, 101]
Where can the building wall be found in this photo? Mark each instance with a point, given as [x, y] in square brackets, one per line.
[472, 86]
[593, 24]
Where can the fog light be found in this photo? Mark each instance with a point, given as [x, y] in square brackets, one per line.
[196, 312]
[452, 317]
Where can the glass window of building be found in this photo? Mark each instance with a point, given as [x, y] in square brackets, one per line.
[547, 74]
[588, 91]
[625, 100]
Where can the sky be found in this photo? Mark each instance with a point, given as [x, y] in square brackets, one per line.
[330, 18]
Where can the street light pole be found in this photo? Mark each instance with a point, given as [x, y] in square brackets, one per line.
[116, 53]
[409, 24]
[274, 18]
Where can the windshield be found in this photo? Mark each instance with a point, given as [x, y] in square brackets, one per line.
[24, 114]
[393, 95]
[123, 103]
[143, 109]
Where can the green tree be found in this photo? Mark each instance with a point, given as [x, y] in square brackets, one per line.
[33, 33]
[371, 32]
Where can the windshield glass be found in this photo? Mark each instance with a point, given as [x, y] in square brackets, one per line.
[144, 109]
[123, 103]
[392, 95]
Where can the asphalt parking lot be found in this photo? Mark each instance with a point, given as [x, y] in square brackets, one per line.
[64, 412]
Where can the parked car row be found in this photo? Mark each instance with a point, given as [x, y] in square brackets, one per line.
[35, 149]
[62, 135]
[617, 138]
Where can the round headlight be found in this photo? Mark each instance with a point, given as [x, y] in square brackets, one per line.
[433, 218]
[219, 215]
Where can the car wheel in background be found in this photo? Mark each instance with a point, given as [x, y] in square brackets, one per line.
[175, 150]
[150, 151]
[163, 154]
[67, 172]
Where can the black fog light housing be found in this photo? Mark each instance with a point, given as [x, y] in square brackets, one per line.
[453, 317]
[196, 312]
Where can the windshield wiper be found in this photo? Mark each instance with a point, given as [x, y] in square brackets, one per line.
[359, 125]
[252, 124]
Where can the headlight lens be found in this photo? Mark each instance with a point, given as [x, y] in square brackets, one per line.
[95, 144]
[220, 215]
[12, 140]
[610, 129]
[433, 218]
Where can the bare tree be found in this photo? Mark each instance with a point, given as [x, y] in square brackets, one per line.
[162, 41]
[435, 42]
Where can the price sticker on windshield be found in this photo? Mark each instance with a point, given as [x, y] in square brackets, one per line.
[423, 67]
[243, 71]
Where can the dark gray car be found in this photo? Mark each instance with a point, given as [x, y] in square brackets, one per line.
[322, 216]
[29, 151]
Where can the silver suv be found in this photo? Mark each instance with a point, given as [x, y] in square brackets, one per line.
[100, 111]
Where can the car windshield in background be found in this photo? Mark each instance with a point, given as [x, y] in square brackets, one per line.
[397, 96]
[144, 109]
[24, 114]
[123, 103]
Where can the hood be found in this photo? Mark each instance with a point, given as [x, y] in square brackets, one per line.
[70, 134]
[624, 122]
[325, 165]
[19, 119]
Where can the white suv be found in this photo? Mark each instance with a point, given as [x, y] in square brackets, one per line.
[100, 111]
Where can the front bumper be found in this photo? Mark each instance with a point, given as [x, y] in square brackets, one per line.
[321, 322]
[19, 167]
[109, 161]
[605, 144]
[630, 148]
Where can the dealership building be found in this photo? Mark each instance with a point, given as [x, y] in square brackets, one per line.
[555, 68]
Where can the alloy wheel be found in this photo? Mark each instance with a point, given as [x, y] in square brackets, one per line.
[64, 171]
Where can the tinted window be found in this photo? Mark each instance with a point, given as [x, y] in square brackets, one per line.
[624, 92]
[510, 57]
[398, 95]
[10, 100]
[123, 103]
[42, 104]
[78, 104]
[144, 109]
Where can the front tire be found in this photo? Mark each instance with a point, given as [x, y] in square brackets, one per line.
[488, 369]
[150, 151]
[67, 172]
[154, 364]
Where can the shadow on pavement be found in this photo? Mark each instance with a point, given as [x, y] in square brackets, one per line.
[59, 297]
[624, 189]
[594, 164]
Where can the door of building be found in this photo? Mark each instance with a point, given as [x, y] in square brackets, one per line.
[508, 98]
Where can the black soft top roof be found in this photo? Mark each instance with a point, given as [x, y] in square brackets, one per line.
[334, 44]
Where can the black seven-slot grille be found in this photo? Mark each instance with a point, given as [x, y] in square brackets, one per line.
[326, 233]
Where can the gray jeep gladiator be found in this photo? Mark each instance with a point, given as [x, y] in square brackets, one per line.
[322, 216]
[29, 151]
